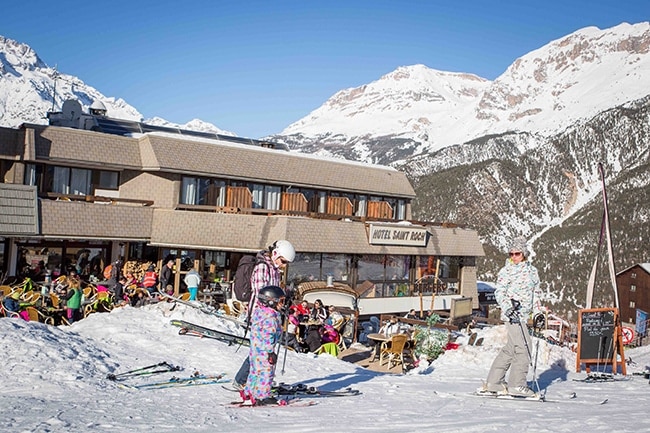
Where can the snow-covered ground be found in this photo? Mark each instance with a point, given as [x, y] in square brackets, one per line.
[53, 379]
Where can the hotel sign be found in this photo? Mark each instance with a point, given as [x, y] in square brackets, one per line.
[397, 235]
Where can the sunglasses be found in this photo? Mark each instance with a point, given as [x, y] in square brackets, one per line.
[515, 254]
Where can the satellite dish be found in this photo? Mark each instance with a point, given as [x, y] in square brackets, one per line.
[71, 110]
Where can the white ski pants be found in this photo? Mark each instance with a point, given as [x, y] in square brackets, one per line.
[513, 356]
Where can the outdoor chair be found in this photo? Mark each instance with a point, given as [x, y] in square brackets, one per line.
[238, 308]
[341, 330]
[393, 350]
[37, 316]
[330, 348]
[6, 290]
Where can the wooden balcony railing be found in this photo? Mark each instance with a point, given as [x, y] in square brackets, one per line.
[96, 199]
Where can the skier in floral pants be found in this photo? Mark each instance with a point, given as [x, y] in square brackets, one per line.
[265, 332]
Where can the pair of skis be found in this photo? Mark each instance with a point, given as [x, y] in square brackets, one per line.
[175, 382]
[296, 395]
[163, 367]
[301, 389]
[207, 309]
[188, 328]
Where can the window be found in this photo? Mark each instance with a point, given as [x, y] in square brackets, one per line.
[69, 180]
[66, 180]
[400, 210]
[389, 273]
[108, 179]
[273, 197]
[633, 288]
[633, 275]
[632, 304]
[305, 267]
[203, 191]
[361, 206]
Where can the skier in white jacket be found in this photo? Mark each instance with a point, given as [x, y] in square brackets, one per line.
[517, 293]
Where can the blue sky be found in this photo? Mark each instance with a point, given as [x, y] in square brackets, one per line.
[254, 67]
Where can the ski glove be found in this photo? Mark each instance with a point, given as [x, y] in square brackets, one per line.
[273, 358]
[512, 314]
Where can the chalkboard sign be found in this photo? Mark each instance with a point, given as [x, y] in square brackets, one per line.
[597, 334]
[599, 337]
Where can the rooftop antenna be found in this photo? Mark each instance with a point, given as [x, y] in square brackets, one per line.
[55, 76]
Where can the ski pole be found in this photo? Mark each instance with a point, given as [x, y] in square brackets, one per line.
[530, 356]
[143, 371]
[286, 344]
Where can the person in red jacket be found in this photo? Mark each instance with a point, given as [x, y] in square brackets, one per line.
[150, 279]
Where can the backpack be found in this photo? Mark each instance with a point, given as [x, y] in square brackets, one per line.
[241, 285]
[107, 272]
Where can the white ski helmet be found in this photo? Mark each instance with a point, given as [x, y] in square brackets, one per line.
[283, 249]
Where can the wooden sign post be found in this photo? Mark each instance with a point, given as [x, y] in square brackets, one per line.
[600, 339]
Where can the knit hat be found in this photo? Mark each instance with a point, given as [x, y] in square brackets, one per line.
[519, 244]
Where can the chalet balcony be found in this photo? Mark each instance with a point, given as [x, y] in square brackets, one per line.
[239, 200]
[87, 217]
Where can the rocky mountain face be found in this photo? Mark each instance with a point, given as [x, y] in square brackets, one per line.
[550, 193]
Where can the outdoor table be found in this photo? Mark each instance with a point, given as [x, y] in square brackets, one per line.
[378, 339]
[210, 298]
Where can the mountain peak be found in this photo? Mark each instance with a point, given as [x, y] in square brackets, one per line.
[17, 56]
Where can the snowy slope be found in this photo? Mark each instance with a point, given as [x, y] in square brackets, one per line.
[54, 380]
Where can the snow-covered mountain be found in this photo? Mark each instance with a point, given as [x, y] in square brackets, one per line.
[29, 89]
[415, 109]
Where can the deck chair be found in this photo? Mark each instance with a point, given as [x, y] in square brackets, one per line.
[341, 330]
[393, 350]
[88, 292]
[238, 308]
[329, 348]
[37, 316]
[5, 290]
[226, 309]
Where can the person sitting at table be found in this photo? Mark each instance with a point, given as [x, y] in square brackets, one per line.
[335, 318]
[411, 314]
[314, 339]
[13, 307]
[391, 327]
[303, 310]
[329, 334]
[319, 312]
[293, 331]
